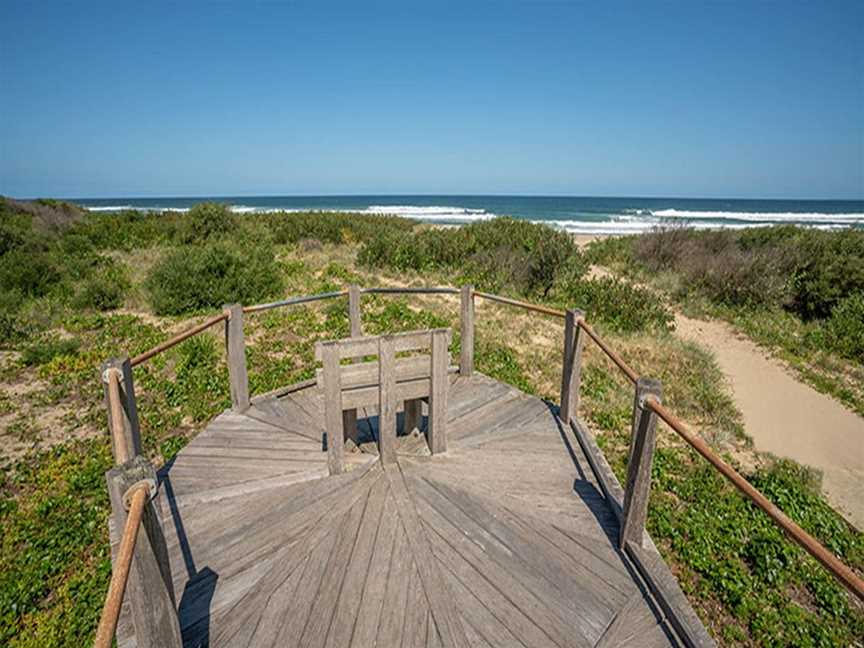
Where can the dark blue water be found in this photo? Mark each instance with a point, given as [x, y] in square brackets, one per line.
[586, 215]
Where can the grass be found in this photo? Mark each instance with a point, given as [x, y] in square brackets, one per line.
[750, 586]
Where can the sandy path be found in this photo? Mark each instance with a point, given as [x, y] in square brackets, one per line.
[788, 418]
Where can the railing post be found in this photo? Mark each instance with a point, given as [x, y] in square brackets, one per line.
[333, 421]
[437, 430]
[150, 589]
[386, 400]
[466, 360]
[235, 345]
[638, 486]
[571, 366]
[122, 412]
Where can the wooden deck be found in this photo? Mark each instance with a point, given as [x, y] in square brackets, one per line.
[506, 540]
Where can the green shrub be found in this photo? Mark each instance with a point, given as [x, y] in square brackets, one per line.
[31, 272]
[844, 330]
[617, 304]
[45, 350]
[105, 289]
[190, 279]
[127, 230]
[206, 221]
[332, 227]
[498, 254]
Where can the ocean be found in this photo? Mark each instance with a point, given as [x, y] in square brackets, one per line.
[579, 215]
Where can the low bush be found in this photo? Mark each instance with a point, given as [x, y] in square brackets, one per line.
[500, 254]
[332, 227]
[207, 221]
[45, 350]
[105, 288]
[30, 271]
[844, 330]
[617, 304]
[190, 279]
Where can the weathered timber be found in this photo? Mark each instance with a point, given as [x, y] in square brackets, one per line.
[387, 401]
[333, 410]
[437, 432]
[149, 590]
[235, 346]
[127, 417]
[466, 361]
[571, 371]
[413, 414]
[638, 485]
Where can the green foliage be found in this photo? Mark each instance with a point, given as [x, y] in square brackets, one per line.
[332, 227]
[191, 279]
[500, 254]
[45, 350]
[207, 221]
[617, 304]
[105, 288]
[844, 331]
[128, 230]
[32, 272]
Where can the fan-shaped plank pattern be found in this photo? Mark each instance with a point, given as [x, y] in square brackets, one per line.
[503, 541]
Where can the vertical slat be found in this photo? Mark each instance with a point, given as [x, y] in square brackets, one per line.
[571, 370]
[413, 414]
[333, 409]
[638, 486]
[349, 417]
[235, 345]
[354, 310]
[466, 360]
[131, 431]
[149, 590]
[437, 431]
[387, 400]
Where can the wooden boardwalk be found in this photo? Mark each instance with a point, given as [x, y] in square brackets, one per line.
[505, 540]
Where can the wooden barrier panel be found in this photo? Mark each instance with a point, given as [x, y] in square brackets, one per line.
[235, 347]
[642, 442]
[437, 433]
[387, 401]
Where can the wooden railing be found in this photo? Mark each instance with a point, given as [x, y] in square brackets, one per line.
[140, 565]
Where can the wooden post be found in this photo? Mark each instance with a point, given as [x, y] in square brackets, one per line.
[129, 411]
[150, 590]
[333, 422]
[571, 367]
[413, 414]
[349, 417]
[638, 485]
[437, 431]
[466, 360]
[235, 345]
[387, 400]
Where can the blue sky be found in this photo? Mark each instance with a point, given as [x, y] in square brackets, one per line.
[748, 99]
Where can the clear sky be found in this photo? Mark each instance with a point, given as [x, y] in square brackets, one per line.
[721, 99]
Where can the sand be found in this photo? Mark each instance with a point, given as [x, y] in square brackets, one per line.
[788, 418]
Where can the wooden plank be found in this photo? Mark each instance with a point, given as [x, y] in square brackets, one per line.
[318, 625]
[466, 322]
[387, 401]
[638, 485]
[366, 396]
[600, 467]
[416, 611]
[333, 411]
[350, 596]
[616, 631]
[235, 346]
[437, 432]
[393, 608]
[560, 593]
[354, 311]
[365, 374]
[440, 599]
[375, 585]
[368, 346]
[413, 414]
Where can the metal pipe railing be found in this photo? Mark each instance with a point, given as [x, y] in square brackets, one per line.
[439, 290]
[120, 572]
[812, 546]
[295, 300]
[177, 339]
[515, 302]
